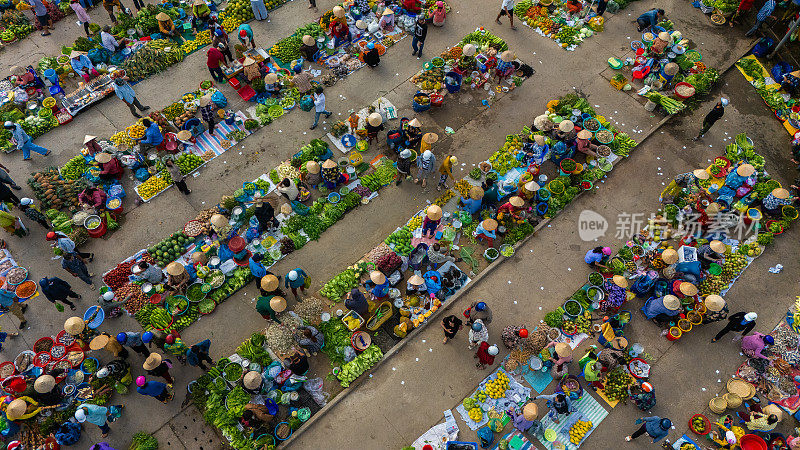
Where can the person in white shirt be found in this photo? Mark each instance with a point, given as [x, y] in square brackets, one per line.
[319, 106]
[109, 42]
[507, 9]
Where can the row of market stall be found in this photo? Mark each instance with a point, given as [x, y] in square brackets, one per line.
[663, 68]
[409, 276]
[779, 87]
[567, 22]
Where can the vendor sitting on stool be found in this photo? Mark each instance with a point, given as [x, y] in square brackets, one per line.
[528, 190]
[271, 84]
[505, 67]
[433, 216]
[309, 48]
[386, 22]
[776, 200]
[583, 143]
[374, 126]
[167, 27]
[90, 142]
[416, 285]
[510, 210]
[200, 15]
[178, 278]
[312, 176]
[152, 136]
[331, 174]
[93, 197]
[486, 230]
[662, 309]
[356, 301]
[381, 289]
[473, 204]
[110, 167]
[574, 7]
[713, 252]
[340, 32]
[82, 65]
[660, 43]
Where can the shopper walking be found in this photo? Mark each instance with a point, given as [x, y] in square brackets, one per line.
[426, 166]
[42, 16]
[98, 415]
[125, 92]
[109, 7]
[57, 290]
[420, 32]
[134, 341]
[5, 178]
[207, 112]
[156, 366]
[10, 302]
[763, 14]
[83, 16]
[485, 355]
[403, 166]
[177, 177]
[220, 41]
[655, 427]
[297, 279]
[713, 116]
[24, 142]
[33, 212]
[66, 245]
[6, 196]
[76, 266]
[479, 310]
[446, 170]
[740, 322]
[215, 61]
[507, 9]
[155, 389]
[451, 324]
[478, 333]
[319, 106]
[259, 9]
[199, 353]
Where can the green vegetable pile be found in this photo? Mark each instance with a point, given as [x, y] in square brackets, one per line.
[555, 319]
[143, 441]
[670, 105]
[337, 338]
[344, 282]
[482, 38]
[359, 365]
[566, 35]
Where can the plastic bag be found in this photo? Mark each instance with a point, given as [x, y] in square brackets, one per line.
[349, 354]
[314, 388]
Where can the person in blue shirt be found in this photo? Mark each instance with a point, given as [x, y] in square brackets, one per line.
[24, 142]
[10, 302]
[126, 93]
[381, 288]
[662, 308]
[82, 65]
[473, 204]
[156, 389]
[245, 33]
[152, 136]
[597, 257]
[486, 230]
[649, 19]
[655, 427]
[297, 279]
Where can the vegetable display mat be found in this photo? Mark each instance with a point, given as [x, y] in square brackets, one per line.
[518, 436]
[207, 141]
[500, 404]
[587, 407]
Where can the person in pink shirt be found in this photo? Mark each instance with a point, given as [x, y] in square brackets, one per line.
[439, 14]
[754, 344]
[83, 16]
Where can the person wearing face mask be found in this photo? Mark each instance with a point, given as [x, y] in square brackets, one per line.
[126, 93]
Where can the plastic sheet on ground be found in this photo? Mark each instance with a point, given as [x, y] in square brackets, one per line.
[587, 408]
[515, 394]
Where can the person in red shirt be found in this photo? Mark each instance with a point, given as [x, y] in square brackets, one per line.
[485, 355]
[215, 60]
[744, 6]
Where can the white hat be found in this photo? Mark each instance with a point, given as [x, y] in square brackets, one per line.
[293, 275]
[108, 295]
[751, 317]
[44, 384]
[414, 123]
[270, 78]
[308, 40]
[427, 154]
[406, 153]
[88, 138]
[493, 350]
[8, 124]
[25, 201]
[566, 126]
[375, 119]
[252, 380]
[507, 56]
[724, 101]
[102, 373]
[80, 416]
[338, 11]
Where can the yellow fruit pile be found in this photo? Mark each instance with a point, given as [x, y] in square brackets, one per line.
[121, 139]
[579, 430]
[136, 131]
[476, 414]
[463, 187]
[351, 322]
[497, 388]
[480, 396]
[415, 223]
[151, 187]
[187, 98]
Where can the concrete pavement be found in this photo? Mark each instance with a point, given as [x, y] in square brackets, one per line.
[478, 133]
